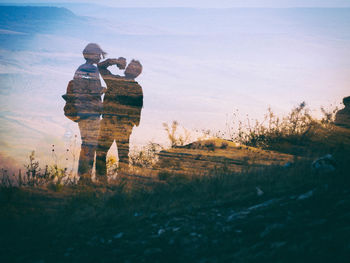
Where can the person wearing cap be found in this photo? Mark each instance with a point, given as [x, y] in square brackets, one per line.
[122, 106]
[84, 106]
[342, 117]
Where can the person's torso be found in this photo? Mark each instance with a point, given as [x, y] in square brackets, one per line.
[123, 99]
[126, 92]
[87, 90]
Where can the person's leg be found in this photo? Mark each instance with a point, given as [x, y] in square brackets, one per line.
[122, 137]
[89, 135]
[104, 143]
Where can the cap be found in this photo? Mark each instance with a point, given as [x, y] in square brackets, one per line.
[93, 48]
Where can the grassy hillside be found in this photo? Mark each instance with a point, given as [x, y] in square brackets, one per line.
[290, 209]
[280, 214]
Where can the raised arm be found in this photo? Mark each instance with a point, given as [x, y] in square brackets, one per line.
[120, 62]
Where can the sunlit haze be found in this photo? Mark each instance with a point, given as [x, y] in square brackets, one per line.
[200, 64]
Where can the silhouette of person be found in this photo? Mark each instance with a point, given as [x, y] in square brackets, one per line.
[342, 117]
[122, 106]
[84, 106]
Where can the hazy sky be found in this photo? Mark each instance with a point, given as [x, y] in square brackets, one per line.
[202, 3]
[200, 65]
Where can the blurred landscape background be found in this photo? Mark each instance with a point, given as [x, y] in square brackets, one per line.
[200, 65]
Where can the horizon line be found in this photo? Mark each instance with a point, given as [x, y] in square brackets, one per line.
[55, 4]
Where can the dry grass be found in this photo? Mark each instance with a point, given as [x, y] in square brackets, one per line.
[141, 217]
[296, 133]
[132, 212]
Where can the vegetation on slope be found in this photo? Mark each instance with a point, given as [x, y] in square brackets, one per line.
[292, 213]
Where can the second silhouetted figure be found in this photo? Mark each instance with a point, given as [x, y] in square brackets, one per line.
[122, 106]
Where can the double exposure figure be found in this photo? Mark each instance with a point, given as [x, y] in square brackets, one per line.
[120, 110]
[84, 106]
[122, 106]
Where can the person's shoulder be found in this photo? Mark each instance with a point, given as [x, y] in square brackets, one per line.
[87, 68]
[129, 80]
[131, 83]
[87, 71]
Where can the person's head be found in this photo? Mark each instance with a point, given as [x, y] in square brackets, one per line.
[133, 70]
[92, 53]
[346, 101]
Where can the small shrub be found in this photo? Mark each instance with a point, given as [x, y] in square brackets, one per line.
[147, 157]
[210, 146]
[57, 174]
[224, 145]
[33, 170]
[176, 138]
